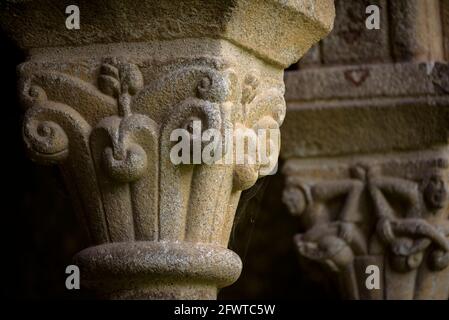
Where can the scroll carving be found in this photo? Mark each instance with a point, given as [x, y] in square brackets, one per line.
[105, 103]
[112, 138]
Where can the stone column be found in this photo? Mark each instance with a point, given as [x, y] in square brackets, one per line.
[103, 101]
[366, 150]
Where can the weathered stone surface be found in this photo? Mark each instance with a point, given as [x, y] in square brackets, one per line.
[368, 108]
[413, 30]
[158, 270]
[365, 144]
[127, 187]
[279, 31]
[350, 41]
[103, 101]
[417, 30]
[312, 57]
[445, 21]
[385, 210]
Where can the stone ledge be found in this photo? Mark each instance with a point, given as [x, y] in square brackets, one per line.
[367, 81]
[253, 25]
[347, 110]
[333, 128]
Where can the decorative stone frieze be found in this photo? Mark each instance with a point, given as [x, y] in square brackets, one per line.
[103, 101]
[390, 211]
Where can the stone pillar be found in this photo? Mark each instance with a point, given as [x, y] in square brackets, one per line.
[103, 101]
[366, 150]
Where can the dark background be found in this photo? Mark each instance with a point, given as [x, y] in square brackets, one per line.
[41, 233]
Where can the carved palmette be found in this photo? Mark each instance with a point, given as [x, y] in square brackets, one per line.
[111, 137]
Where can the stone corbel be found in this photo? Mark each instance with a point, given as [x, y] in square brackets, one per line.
[102, 101]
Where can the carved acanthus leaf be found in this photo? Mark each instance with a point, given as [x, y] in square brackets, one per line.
[112, 138]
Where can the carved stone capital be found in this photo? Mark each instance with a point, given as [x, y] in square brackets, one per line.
[389, 211]
[105, 114]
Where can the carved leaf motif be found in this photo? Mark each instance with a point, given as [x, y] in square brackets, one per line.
[262, 112]
[131, 78]
[47, 128]
[122, 149]
[82, 97]
[125, 146]
[46, 137]
[110, 70]
[250, 85]
[117, 78]
[129, 168]
[109, 85]
[184, 83]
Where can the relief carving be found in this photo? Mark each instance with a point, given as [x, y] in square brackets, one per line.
[111, 138]
[362, 212]
[102, 104]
